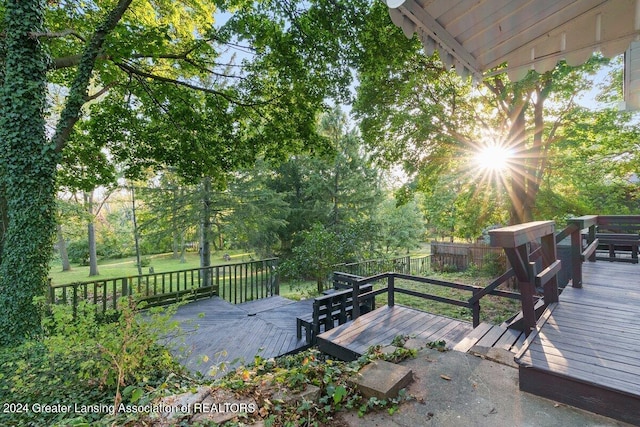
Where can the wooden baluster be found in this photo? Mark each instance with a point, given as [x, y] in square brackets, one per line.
[549, 256]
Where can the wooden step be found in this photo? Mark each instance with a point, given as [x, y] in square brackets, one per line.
[493, 342]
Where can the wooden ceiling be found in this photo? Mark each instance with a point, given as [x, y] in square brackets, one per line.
[474, 36]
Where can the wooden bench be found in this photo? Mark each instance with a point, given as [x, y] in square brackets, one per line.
[621, 242]
[327, 309]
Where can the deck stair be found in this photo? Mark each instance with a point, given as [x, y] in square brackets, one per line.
[498, 343]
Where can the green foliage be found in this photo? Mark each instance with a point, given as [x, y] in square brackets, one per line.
[27, 170]
[78, 251]
[266, 377]
[416, 111]
[493, 264]
[401, 227]
[86, 361]
[157, 84]
[318, 251]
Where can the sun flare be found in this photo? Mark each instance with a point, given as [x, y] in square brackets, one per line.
[494, 158]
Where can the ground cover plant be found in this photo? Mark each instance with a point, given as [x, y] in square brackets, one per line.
[84, 365]
[90, 371]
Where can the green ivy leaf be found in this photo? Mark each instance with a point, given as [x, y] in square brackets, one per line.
[339, 393]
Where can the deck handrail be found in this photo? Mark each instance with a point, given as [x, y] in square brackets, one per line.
[525, 244]
[590, 226]
[235, 282]
[390, 289]
[518, 242]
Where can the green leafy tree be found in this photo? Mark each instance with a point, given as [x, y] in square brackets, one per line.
[415, 111]
[318, 251]
[401, 227]
[150, 54]
[339, 189]
[256, 213]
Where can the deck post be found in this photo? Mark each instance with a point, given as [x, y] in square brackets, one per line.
[576, 259]
[584, 222]
[391, 290]
[475, 309]
[549, 256]
[516, 241]
[355, 313]
[591, 237]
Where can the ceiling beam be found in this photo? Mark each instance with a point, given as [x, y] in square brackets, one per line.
[430, 26]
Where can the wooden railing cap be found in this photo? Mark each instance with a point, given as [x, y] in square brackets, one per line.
[520, 234]
[584, 221]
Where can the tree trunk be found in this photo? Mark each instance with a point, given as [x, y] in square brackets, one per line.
[62, 248]
[518, 191]
[205, 232]
[176, 235]
[28, 166]
[91, 236]
[183, 248]
[136, 235]
[93, 256]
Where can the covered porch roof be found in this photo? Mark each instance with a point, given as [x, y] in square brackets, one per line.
[474, 36]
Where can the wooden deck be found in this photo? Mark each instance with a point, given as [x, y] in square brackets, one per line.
[217, 331]
[381, 326]
[586, 349]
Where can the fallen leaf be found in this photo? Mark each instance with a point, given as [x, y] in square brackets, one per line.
[445, 377]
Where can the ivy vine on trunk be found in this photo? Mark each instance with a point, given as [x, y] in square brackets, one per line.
[29, 177]
[28, 173]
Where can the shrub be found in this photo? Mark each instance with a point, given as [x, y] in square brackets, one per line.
[78, 252]
[493, 265]
[84, 361]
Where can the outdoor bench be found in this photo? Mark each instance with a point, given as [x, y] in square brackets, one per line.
[327, 309]
[619, 241]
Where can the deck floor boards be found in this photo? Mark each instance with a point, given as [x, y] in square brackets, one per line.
[381, 326]
[218, 331]
[590, 343]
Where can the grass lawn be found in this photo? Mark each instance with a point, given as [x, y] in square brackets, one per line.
[493, 309]
[126, 267]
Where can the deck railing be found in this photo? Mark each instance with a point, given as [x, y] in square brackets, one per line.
[532, 252]
[524, 244]
[235, 283]
[406, 264]
[619, 233]
[473, 303]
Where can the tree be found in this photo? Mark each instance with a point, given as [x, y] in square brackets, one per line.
[255, 213]
[401, 226]
[339, 189]
[157, 53]
[414, 110]
[315, 255]
[168, 214]
[27, 173]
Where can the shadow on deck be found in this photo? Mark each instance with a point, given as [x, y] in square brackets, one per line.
[220, 333]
